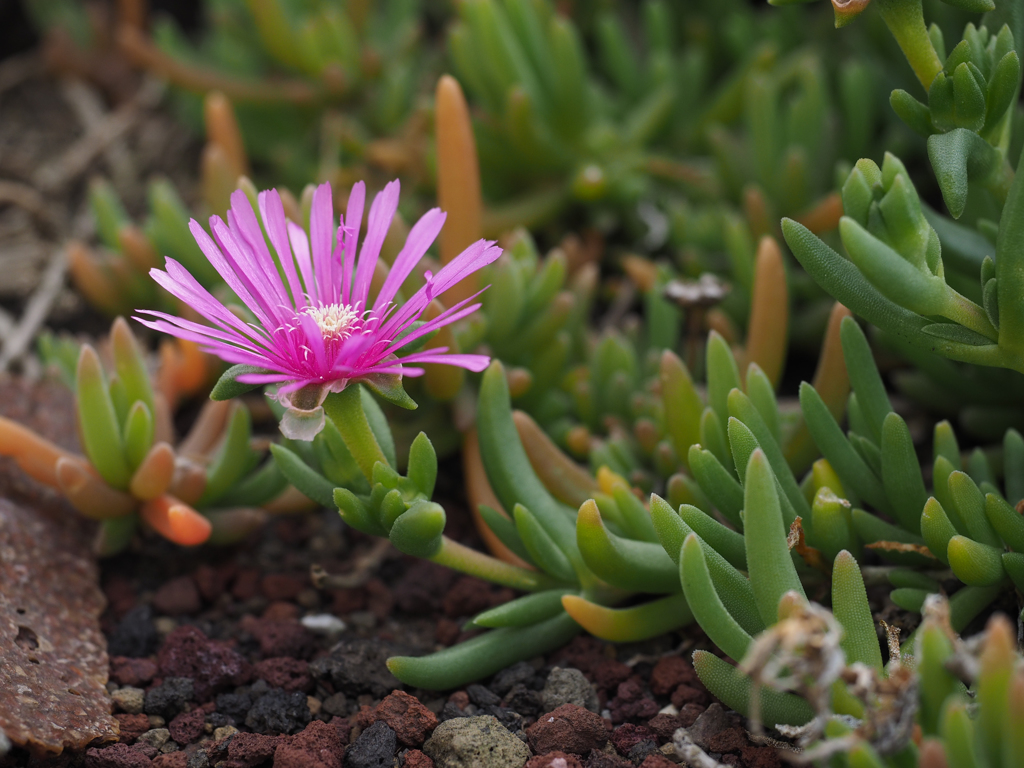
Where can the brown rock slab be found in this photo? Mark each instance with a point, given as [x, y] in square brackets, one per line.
[54, 658]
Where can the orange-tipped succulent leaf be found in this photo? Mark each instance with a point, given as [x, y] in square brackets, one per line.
[176, 521]
[88, 492]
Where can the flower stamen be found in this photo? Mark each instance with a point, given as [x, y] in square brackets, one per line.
[335, 321]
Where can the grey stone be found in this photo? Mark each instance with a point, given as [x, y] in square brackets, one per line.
[712, 720]
[130, 700]
[336, 704]
[568, 686]
[375, 748]
[467, 742]
[156, 737]
[223, 732]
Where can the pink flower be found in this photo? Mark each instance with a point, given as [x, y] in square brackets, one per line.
[317, 329]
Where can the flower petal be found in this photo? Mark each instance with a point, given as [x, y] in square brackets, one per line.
[321, 236]
[272, 213]
[353, 221]
[382, 212]
[423, 233]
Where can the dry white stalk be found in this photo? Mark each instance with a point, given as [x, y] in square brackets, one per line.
[19, 338]
[690, 753]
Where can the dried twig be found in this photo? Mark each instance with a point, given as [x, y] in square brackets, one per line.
[86, 103]
[74, 161]
[365, 565]
[30, 199]
[38, 307]
[17, 69]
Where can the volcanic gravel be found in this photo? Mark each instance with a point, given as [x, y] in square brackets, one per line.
[212, 664]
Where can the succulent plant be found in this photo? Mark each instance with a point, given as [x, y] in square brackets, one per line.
[208, 487]
[312, 82]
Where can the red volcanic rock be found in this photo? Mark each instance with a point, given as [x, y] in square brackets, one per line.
[468, 596]
[407, 717]
[187, 727]
[627, 736]
[609, 674]
[318, 746]
[132, 726]
[687, 695]
[380, 600]
[212, 665]
[416, 759]
[134, 672]
[116, 756]
[171, 760]
[247, 584]
[178, 596]
[657, 761]
[285, 672]
[281, 611]
[630, 703]
[281, 638]
[250, 749]
[729, 740]
[282, 586]
[669, 673]
[213, 582]
[569, 728]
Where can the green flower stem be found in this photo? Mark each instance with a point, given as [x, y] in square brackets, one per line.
[962, 310]
[905, 20]
[461, 558]
[345, 409]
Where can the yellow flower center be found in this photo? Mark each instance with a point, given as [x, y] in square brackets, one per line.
[336, 321]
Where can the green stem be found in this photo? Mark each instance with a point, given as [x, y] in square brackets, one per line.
[345, 409]
[905, 20]
[461, 558]
[962, 310]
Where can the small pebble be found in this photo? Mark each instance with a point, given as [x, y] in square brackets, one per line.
[323, 624]
[314, 705]
[363, 619]
[568, 686]
[155, 721]
[224, 731]
[169, 746]
[466, 742]
[335, 704]
[165, 625]
[156, 737]
[130, 700]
